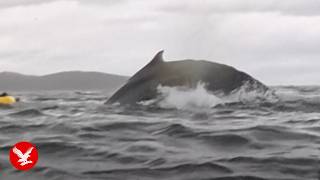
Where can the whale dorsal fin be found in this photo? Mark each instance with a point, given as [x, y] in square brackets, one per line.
[158, 58]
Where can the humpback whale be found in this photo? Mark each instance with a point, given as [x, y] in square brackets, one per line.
[185, 73]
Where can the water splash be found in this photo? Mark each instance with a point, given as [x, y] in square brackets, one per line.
[200, 98]
[186, 98]
[251, 93]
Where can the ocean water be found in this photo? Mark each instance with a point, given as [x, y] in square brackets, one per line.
[188, 135]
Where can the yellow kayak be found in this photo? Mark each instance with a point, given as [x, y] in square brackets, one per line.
[7, 100]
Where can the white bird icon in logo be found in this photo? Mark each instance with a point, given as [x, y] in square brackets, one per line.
[23, 157]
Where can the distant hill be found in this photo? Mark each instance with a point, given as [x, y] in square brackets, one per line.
[69, 80]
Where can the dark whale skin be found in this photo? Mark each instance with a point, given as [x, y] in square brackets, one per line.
[188, 73]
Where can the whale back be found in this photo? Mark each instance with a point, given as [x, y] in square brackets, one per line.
[188, 73]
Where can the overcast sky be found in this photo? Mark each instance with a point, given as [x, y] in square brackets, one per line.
[276, 41]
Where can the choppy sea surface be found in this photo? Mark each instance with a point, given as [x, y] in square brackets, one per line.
[189, 136]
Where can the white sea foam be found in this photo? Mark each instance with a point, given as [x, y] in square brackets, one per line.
[200, 98]
[188, 99]
[251, 93]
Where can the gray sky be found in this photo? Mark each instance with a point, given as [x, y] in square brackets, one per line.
[275, 41]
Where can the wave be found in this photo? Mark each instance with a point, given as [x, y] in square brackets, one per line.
[118, 126]
[20, 128]
[50, 108]
[46, 99]
[185, 170]
[215, 140]
[275, 134]
[86, 93]
[177, 130]
[60, 147]
[275, 160]
[298, 167]
[226, 140]
[28, 112]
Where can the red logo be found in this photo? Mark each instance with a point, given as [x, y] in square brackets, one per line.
[23, 156]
